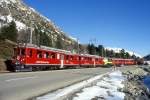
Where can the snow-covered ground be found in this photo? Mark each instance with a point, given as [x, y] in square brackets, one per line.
[101, 87]
[148, 62]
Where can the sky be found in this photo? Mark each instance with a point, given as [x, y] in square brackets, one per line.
[112, 23]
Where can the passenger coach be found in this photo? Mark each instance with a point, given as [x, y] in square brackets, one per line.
[32, 58]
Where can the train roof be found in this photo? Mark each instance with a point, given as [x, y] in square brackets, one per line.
[88, 55]
[44, 48]
[118, 58]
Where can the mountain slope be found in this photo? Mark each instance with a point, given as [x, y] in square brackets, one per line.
[26, 17]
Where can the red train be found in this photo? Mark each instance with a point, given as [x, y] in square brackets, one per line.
[34, 58]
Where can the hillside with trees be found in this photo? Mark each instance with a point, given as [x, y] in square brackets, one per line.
[147, 57]
[104, 52]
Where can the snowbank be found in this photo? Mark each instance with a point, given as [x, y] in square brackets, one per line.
[107, 88]
[65, 91]
[104, 86]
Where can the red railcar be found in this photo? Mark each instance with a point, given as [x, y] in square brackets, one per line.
[32, 58]
[120, 61]
[87, 60]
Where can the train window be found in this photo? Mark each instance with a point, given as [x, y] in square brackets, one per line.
[96, 59]
[17, 51]
[90, 59]
[47, 55]
[71, 57]
[85, 58]
[53, 55]
[22, 51]
[79, 58]
[39, 54]
[30, 53]
[67, 57]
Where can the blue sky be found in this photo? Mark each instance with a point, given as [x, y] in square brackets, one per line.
[113, 23]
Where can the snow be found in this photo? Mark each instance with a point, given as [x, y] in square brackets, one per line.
[73, 38]
[8, 1]
[148, 62]
[2, 18]
[14, 1]
[20, 25]
[33, 9]
[6, 18]
[62, 92]
[9, 18]
[106, 86]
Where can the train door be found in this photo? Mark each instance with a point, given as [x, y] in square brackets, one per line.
[30, 59]
[62, 61]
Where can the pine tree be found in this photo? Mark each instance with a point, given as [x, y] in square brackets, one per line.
[59, 42]
[133, 56]
[9, 32]
[1, 35]
[100, 50]
[112, 53]
[45, 40]
[91, 49]
[117, 55]
[127, 55]
[122, 53]
[108, 53]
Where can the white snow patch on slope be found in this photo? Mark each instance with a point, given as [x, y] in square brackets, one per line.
[33, 9]
[73, 38]
[14, 1]
[2, 18]
[20, 25]
[9, 18]
[8, 1]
